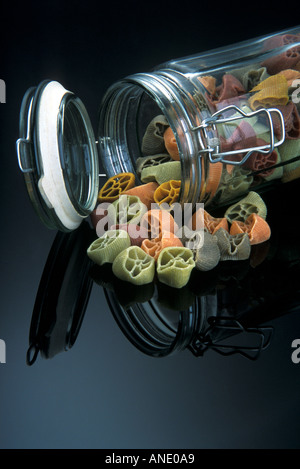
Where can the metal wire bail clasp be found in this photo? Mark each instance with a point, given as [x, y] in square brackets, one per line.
[208, 127]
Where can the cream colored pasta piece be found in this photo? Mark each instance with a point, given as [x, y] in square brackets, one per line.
[174, 266]
[127, 209]
[135, 266]
[252, 203]
[153, 141]
[207, 256]
[233, 247]
[250, 75]
[192, 239]
[104, 249]
[251, 78]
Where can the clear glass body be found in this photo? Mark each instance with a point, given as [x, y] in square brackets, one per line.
[234, 113]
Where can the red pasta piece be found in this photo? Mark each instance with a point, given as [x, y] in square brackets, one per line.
[262, 162]
[291, 119]
[242, 137]
[230, 88]
[287, 59]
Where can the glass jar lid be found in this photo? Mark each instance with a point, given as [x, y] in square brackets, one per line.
[58, 156]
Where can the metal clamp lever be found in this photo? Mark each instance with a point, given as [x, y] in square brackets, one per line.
[208, 126]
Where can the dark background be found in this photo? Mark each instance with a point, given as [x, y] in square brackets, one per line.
[105, 393]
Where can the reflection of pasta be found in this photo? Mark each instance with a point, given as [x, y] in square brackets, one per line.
[174, 266]
[104, 249]
[133, 265]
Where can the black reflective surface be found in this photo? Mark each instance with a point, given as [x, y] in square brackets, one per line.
[223, 379]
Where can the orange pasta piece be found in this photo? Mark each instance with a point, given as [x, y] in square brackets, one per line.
[209, 83]
[202, 219]
[145, 192]
[214, 177]
[153, 247]
[157, 221]
[255, 226]
[290, 75]
[171, 144]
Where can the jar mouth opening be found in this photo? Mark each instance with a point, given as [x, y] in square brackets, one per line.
[127, 109]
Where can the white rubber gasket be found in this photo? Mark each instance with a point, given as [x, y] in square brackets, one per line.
[51, 184]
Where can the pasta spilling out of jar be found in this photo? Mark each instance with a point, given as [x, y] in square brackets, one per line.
[250, 140]
[155, 245]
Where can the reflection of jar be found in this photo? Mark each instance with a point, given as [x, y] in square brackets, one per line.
[233, 112]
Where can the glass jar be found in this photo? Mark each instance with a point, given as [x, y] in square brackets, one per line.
[233, 114]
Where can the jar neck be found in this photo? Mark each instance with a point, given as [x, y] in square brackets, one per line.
[177, 97]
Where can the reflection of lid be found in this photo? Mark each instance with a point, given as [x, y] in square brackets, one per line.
[62, 295]
[58, 156]
[154, 329]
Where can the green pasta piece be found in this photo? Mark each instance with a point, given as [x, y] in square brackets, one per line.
[126, 209]
[135, 266]
[104, 249]
[226, 130]
[162, 173]
[234, 185]
[207, 256]
[233, 247]
[153, 139]
[277, 172]
[204, 247]
[252, 203]
[152, 160]
[174, 266]
[288, 150]
[250, 75]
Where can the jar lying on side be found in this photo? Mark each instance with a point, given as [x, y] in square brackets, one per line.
[222, 123]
